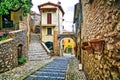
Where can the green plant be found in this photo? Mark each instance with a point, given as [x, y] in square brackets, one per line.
[14, 5]
[3, 38]
[22, 60]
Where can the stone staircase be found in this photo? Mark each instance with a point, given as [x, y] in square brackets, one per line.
[56, 70]
[36, 51]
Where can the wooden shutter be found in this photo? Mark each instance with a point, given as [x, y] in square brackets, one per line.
[49, 18]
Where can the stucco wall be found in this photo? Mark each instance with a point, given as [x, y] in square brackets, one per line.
[46, 37]
[66, 43]
[15, 16]
[101, 20]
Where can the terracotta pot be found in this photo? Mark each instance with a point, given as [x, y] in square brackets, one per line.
[85, 43]
[89, 49]
[97, 45]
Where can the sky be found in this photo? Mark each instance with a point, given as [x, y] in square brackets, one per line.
[68, 7]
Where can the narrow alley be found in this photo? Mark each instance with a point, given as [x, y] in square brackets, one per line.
[56, 70]
[59, 39]
[43, 67]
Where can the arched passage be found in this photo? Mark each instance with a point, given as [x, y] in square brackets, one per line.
[19, 50]
[67, 45]
[37, 29]
[69, 37]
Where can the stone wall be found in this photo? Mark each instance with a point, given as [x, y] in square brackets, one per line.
[8, 56]
[101, 20]
[9, 50]
[20, 37]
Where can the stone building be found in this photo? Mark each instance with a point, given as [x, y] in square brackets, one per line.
[16, 46]
[35, 22]
[76, 21]
[100, 36]
[51, 23]
[13, 48]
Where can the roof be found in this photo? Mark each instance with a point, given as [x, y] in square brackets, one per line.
[53, 4]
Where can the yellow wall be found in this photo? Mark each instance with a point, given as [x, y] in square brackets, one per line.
[66, 43]
[46, 37]
[15, 16]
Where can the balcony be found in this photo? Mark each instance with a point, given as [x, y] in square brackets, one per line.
[48, 25]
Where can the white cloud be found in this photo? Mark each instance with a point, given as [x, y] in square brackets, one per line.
[67, 5]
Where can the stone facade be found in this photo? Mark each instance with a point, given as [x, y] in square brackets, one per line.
[9, 50]
[101, 20]
[35, 21]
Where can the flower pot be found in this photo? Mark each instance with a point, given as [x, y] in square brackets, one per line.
[97, 45]
[89, 49]
[84, 44]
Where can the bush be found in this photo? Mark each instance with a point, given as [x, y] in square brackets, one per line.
[22, 60]
[3, 38]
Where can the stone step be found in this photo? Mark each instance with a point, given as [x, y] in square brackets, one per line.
[56, 70]
[34, 77]
[33, 54]
[63, 68]
[35, 51]
[39, 59]
[51, 74]
[40, 50]
[37, 56]
[53, 70]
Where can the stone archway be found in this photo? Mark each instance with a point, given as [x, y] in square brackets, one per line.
[62, 36]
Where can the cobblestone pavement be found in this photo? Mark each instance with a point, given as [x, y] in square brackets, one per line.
[55, 70]
[19, 73]
[73, 73]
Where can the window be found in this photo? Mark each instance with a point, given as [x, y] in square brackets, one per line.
[63, 27]
[63, 41]
[69, 40]
[49, 18]
[49, 31]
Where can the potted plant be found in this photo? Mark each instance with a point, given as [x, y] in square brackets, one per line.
[97, 45]
[21, 60]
